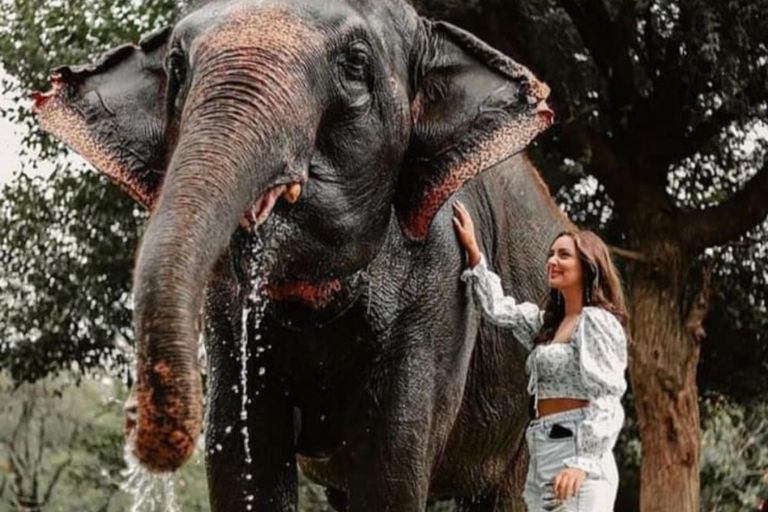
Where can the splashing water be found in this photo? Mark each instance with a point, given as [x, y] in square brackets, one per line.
[150, 492]
[262, 257]
[154, 492]
[254, 304]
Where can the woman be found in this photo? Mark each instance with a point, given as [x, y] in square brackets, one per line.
[576, 365]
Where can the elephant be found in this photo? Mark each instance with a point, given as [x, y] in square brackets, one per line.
[298, 160]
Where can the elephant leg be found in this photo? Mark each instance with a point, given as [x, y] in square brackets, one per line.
[392, 455]
[508, 496]
[396, 477]
[263, 476]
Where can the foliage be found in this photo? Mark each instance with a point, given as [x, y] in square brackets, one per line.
[734, 469]
[734, 358]
[66, 253]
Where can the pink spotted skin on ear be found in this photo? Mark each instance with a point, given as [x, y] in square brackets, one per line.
[61, 119]
[502, 144]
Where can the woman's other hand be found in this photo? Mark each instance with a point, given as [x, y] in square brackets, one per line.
[465, 231]
[568, 483]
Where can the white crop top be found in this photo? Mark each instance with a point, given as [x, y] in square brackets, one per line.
[590, 366]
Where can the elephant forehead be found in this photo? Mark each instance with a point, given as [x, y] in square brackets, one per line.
[276, 31]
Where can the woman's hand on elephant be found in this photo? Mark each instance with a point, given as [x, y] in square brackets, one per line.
[465, 230]
[568, 483]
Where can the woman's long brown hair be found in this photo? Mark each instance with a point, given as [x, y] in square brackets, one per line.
[601, 286]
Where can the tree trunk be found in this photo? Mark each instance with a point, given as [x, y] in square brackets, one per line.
[662, 370]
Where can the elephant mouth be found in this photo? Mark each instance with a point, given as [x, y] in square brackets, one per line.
[302, 306]
[315, 295]
[262, 208]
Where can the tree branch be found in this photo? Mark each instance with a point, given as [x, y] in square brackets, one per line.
[56, 476]
[627, 254]
[18, 464]
[731, 218]
[586, 15]
[609, 45]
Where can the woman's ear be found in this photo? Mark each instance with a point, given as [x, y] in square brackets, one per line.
[112, 113]
[473, 107]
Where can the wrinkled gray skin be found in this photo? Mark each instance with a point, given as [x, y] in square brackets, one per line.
[379, 378]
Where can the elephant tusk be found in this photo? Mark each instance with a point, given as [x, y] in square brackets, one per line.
[292, 194]
[257, 214]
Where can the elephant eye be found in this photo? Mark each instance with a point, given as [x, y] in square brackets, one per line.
[176, 65]
[355, 63]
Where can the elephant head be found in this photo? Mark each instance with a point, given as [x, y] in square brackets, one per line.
[346, 108]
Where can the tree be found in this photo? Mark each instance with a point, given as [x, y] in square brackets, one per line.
[26, 446]
[660, 100]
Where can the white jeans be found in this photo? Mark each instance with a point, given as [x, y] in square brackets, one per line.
[597, 494]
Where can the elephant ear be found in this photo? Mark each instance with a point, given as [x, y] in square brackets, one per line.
[112, 113]
[473, 107]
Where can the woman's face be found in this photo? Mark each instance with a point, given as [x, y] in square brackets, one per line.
[564, 265]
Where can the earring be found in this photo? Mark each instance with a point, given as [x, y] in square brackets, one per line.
[557, 298]
[589, 295]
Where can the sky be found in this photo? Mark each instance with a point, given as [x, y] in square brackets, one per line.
[10, 141]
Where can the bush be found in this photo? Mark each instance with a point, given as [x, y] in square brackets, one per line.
[734, 454]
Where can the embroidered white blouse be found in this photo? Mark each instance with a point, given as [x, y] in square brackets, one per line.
[590, 366]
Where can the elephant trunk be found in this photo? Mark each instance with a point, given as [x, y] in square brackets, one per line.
[237, 143]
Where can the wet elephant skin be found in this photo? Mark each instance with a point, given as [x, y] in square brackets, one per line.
[328, 140]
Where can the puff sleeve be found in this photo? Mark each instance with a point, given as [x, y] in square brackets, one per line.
[524, 319]
[602, 348]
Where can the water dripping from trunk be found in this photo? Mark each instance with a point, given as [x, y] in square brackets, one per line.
[150, 492]
[261, 257]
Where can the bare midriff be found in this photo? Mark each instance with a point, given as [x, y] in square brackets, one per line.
[549, 406]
